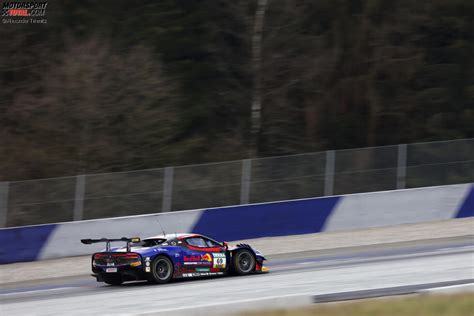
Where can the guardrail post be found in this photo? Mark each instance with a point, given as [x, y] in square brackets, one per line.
[167, 189]
[329, 173]
[4, 186]
[402, 166]
[78, 213]
[245, 181]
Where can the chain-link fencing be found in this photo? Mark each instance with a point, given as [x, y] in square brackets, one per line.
[236, 182]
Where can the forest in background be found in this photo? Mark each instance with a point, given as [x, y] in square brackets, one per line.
[124, 85]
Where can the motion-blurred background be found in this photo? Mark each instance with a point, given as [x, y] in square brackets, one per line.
[120, 86]
[115, 114]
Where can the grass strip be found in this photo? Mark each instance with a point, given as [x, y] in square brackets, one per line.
[419, 305]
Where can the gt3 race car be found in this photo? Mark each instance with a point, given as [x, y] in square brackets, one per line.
[160, 259]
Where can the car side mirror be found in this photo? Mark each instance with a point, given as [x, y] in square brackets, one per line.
[225, 245]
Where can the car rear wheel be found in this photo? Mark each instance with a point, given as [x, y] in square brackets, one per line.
[161, 270]
[243, 262]
[113, 279]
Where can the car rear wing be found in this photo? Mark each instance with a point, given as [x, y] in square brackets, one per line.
[108, 241]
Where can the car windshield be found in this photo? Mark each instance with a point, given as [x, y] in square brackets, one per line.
[196, 242]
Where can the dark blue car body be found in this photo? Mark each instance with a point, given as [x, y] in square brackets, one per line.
[160, 259]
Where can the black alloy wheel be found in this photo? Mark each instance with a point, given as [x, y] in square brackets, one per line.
[244, 262]
[161, 270]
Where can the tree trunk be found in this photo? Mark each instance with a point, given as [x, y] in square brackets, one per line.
[256, 109]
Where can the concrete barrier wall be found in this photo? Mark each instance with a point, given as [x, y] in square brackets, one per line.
[306, 216]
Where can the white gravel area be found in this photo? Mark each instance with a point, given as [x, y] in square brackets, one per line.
[75, 266]
[365, 237]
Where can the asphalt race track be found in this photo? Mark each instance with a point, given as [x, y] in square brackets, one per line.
[296, 279]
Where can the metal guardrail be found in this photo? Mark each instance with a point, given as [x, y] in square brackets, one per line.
[236, 182]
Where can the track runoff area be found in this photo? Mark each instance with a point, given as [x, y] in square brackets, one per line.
[298, 279]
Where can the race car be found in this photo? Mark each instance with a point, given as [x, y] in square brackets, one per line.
[160, 259]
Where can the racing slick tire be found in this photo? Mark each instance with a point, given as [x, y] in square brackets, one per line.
[243, 262]
[112, 279]
[161, 270]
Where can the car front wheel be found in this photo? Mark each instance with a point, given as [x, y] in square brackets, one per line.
[244, 262]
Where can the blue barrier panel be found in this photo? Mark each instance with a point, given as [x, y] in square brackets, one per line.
[23, 243]
[467, 208]
[263, 220]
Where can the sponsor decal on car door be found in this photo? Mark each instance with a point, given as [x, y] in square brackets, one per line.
[219, 260]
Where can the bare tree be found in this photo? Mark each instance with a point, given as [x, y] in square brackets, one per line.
[256, 110]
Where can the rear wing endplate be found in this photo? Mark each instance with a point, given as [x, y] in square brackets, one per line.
[109, 240]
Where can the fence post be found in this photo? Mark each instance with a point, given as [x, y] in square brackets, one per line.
[79, 198]
[245, 181]
[329, 175]
[4, 186]
[401, 166]
[167, 189]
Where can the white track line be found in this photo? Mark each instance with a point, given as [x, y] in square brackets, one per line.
[451, 288]
[37, 291]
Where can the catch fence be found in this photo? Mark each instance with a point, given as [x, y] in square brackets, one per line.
[236, 182]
